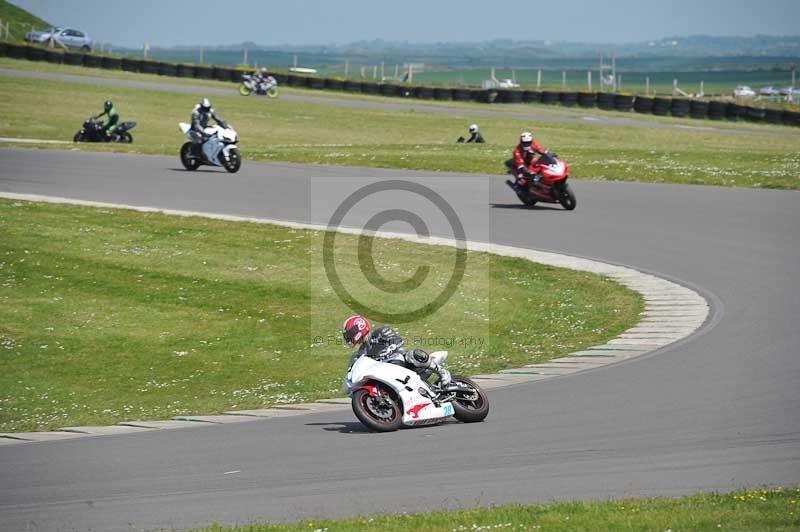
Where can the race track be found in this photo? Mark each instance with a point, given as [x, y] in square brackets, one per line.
[718, 411]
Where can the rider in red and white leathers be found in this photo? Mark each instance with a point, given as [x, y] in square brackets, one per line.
[523, 157]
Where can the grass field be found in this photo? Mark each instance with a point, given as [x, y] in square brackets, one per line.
[283, 130]
[19, 20]
[759, 510]
[113, 315]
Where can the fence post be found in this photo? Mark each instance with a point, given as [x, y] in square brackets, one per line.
[619, 87]
[647, 86]
[396, 72]
[702, 89]
[383, 73]
[145, 49]
[202, 56]
[346, 67]
[563, 79]
[674, 87]
[539, 78]
[362, 72]
[1, 29]
[589, 80]
[374, 71]
[244, 60]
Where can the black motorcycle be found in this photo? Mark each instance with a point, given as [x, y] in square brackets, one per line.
[92, 131]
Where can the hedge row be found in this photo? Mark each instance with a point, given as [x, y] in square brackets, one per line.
[677, 107]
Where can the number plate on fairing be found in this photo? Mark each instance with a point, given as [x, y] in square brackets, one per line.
[448, 409]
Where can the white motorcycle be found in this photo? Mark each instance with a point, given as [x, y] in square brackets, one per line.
[251, 85]
[388, 396]
[219, 149]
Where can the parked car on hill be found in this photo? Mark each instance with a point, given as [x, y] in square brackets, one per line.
[769, 91]
[66, 36]
[743, 91]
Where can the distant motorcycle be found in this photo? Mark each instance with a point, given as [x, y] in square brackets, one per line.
[553, 187]
[219, 149]
[252, 85]
[92, 131]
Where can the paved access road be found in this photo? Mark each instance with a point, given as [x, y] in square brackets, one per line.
[715, 412]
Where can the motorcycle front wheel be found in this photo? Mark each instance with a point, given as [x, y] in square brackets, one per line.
[244, 90]
[78, 137]
[381, 413]
[125, 137]
[470, 406]
[189, 158]
[234, 161]
[272, 93]
[567, 198]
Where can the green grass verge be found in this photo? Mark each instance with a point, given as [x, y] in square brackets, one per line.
[111, 315]
[20, 21]
[755, 510]
[284, 130]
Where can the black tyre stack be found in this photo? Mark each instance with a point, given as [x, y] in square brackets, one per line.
[222, 74]
[773, 116]
[587, 99]
[733, 111]
[791, 118]
[167, 69]
[424, 93]
[569, 99]
[716, 110]
[623, 102]
[661, 106]
[486, 96]
[316, 83]
[512, 96]
[680, 107]
[369, 87]
[605, 101]
[334, 84]
[185, 71]
[462, 95]
[34, 53]
[131, 65]
[549, 97]
[643, 104]
[532, 96]
[352, 86]
[698, 109]
[53, 56]
[92, 61]
[149, 67]
[755, 114]
[73, 59]
[442, 94]
[15, 51]
[204, 72]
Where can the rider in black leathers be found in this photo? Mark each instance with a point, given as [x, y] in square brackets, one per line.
[201, 115]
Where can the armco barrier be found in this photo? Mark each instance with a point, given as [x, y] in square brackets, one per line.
[442, 94]
[698, 109]
[532, 96]
[679, 107]
[605, 101]
[643, 104]
[623, 102]
[587, 99]
[569, 99]
[549, 97]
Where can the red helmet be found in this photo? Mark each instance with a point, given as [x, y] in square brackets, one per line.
[355, 329]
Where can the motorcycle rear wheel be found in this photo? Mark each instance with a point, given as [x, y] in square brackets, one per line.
[244, 91]
[567, 198]
[378, 414]
[470, 407]
[189, 159]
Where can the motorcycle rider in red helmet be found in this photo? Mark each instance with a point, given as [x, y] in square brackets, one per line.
[522, 159]
[385, 345]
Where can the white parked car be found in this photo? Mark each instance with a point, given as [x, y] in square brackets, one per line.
[769, 91]
[743, 91]
[66, 36]
[789, 91]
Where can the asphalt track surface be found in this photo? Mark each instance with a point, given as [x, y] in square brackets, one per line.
[535, 114]
[715, 412]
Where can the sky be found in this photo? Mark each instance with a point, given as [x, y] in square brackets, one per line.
[295, 22]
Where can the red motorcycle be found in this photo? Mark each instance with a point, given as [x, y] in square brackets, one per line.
[553, 186]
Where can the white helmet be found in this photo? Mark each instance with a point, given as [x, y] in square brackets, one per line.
[473, 128]
[205, 104]
[526, 137]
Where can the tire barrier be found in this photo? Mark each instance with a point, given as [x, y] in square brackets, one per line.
[755, 114]
[316, 83]
[511, 96]
[352, 86]
[587, 99]
[111, 63]
[698, 109]
[549, 97]
[293, 81]
[462, 95]
[661, 106]
[623, 102]
[369, 88]
[185, 71]
[442, 94]
[733, 111]
[34, 53]
[72, 59]
[53, 56]
[204, 72]
[605, 101]
[643, 104]
[791, 118]
[92, 61]
[167, 69]
[773, 116]
[149, 67]
[425, 93]
[334, 84]
[679, 108]
[131, 65]
[716, 110]
[532, 96]
[569, 99]
[3, 49]
[222, 74]
[15, 51]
